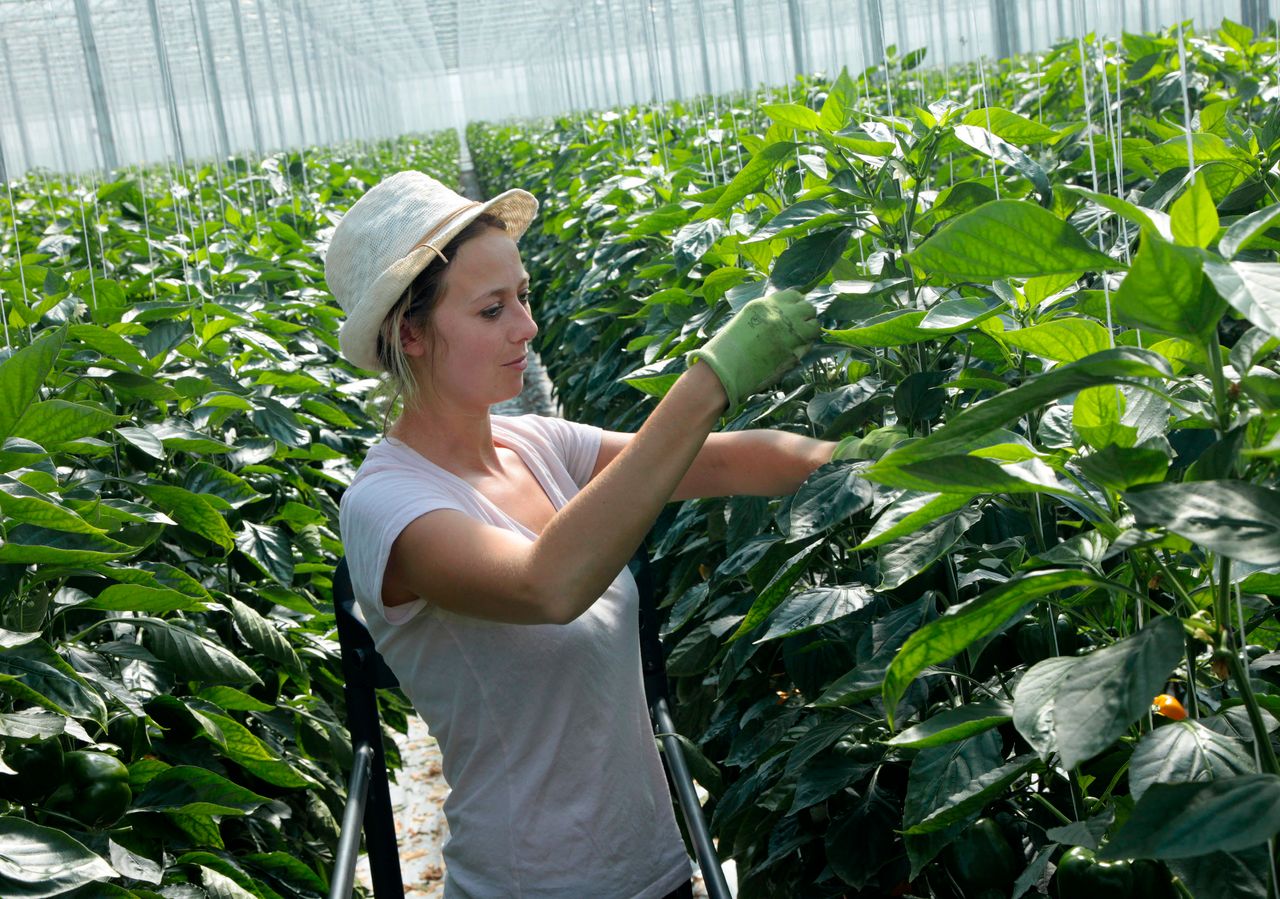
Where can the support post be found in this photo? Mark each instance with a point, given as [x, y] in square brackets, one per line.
[166, 82]
[676, 91]
[254, 125]
[744, 53]
[211, 76]
[97, 89]
[293, 79]
[797, 36]
[702, 43]
[27, 158]
[271, 74]
[873, 33]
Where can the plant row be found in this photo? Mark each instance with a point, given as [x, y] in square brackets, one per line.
[1022, 637]
[176, 427]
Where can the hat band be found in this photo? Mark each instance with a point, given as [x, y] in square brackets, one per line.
[428, 240]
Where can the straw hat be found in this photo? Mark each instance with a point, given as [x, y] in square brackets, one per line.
[390, 235]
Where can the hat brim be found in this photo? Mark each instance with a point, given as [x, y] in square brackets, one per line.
[358, 335]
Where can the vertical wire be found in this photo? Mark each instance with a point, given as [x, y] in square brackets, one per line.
[1186, 106]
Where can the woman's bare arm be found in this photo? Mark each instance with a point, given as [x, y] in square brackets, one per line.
[475, 569]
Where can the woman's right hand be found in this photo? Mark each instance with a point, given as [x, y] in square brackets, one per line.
[764, 340]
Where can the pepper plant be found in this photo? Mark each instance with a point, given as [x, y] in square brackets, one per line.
[1052, 302]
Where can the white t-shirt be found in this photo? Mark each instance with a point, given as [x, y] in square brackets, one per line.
[557, 789]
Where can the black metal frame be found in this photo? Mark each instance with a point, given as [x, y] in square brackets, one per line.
[368, 793]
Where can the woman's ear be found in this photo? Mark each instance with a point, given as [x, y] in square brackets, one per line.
[413, 339]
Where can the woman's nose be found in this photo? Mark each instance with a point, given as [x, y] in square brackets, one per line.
[527, 328]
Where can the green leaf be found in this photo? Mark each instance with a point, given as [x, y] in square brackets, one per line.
[750, 179]
[109, 345]
[263, 636]
[976, 794]
[25, 504]
[1097, 417]
[1184, 752]
[1242, 232]
[217, 482]
[1162, 291]
[269, 549]
[1062, 339]
[1010, 126]
[52, 423]
[1227, 875]
[38, 861]
[830, 495]
[189, 790]
[939, 772]
[992, 146]
[1008, 239]
[1174, 821]
[969, 476]
[1232, 518]
[887, 634]
[813, 608]
[908, 512]
[907, 556]
[1251, 288]
[694, 239]
[775, 591]
[250, 753]
[21, 376]
[29, 544]
[193, 511]
[1080, 706]
[955, 724]
[196, 658]
[139, 598]
[1121, 365]
[841, 99]
[1195, 217]
[1119, 468]
[809, 259]
[792, 115]
[962, 625]
[60, 689]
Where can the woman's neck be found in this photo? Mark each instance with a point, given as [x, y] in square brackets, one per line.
[459, 441]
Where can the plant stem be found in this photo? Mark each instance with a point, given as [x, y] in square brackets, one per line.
[1222, 612]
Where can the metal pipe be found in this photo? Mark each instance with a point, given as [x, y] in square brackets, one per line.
[57, 110]
[293, 77]
[271, 74]
[254, 125]
[166, 82]
[676, 90]
[344, 859]
[27, 158]
[687, 796]
[797, 36]
[211, 80]
[702, 42]
[97, 89]
[744, 53]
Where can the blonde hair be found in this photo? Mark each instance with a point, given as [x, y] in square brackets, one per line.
[415, 307]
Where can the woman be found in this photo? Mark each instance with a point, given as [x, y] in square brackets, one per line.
[489, 554]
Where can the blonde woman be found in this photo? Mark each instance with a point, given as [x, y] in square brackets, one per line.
[488, 554]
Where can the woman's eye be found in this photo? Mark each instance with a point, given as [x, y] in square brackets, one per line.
[492, 311]
[523, 297]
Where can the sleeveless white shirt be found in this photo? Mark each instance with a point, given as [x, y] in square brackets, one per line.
[557, 789]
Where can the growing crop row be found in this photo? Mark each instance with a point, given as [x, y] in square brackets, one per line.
[176, 429]
[1029, 620]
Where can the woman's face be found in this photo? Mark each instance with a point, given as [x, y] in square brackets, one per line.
[481, 323]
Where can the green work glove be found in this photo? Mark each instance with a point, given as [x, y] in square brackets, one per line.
[760, 343]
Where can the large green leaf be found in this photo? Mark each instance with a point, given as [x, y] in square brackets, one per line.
[1000, 150]
[829, 496]
[1010, 125]
[52, 423]
[28, 544]
[1233, 518]
[1243, 231]
[1008, 239]
[1183, 752]
[1080, 706]
[268, 548]
[909, 512]
[750, 179]
[194, 511]
[1062, 339]
[809, 609]
[38, 861]
[961, 625]
[197, 658]
[1251, 288]
[939, 772]
[904, 558]
[21, 376]
[1120, 365]
[1184, 820]
[809, 259]
[971, 798]
[265, 638]
[196, 791]
[141, 598]
[955, 724]
[1162, 291]
[775, 591]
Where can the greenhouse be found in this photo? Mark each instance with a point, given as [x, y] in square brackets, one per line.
[757, 448]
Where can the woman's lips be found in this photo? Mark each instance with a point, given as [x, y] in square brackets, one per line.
[520, 363]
